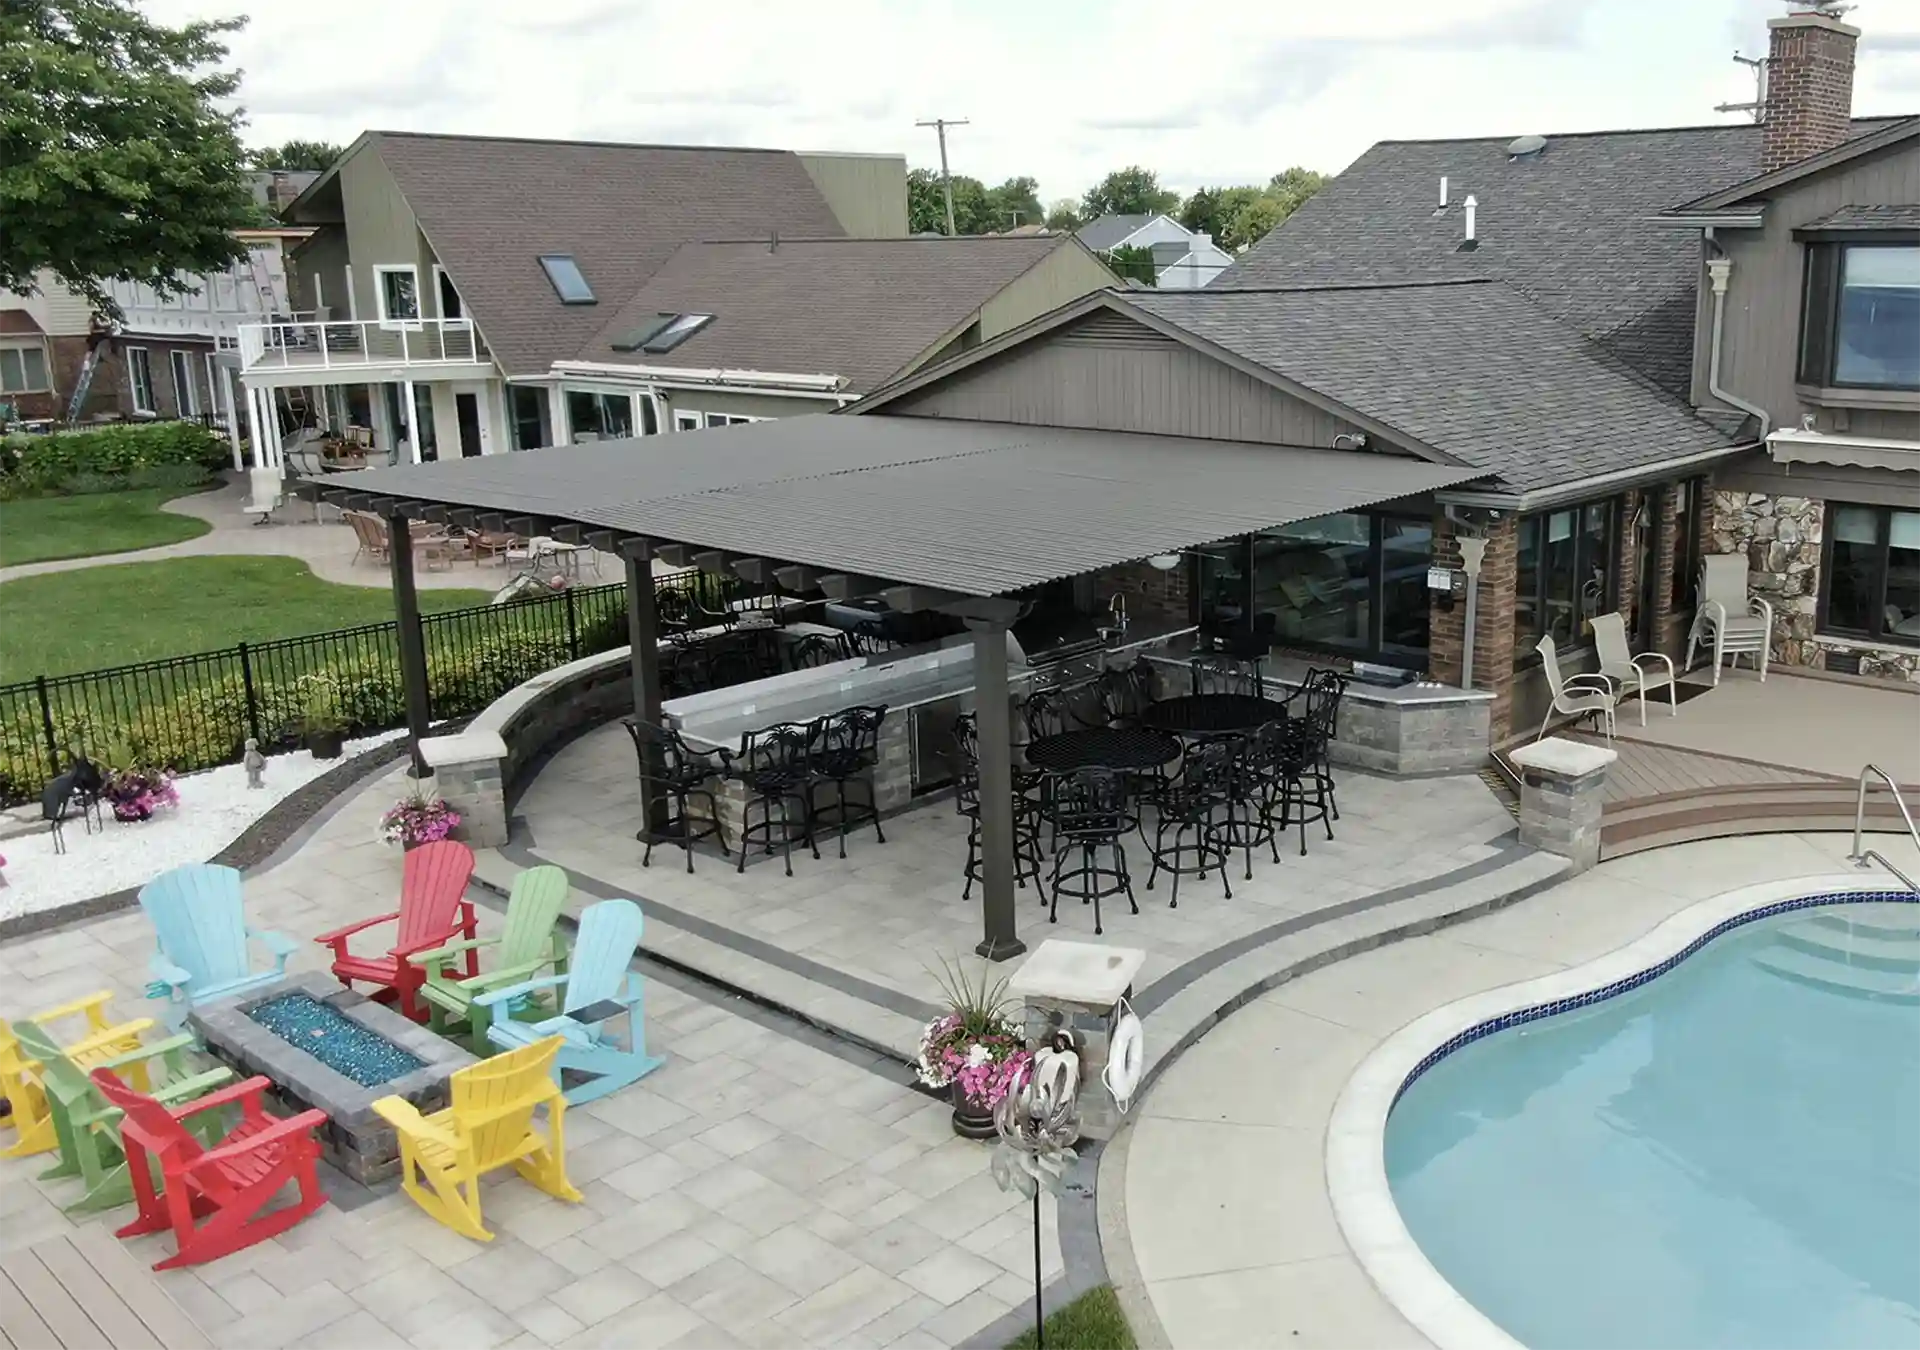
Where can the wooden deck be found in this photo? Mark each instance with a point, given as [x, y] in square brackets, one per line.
[84, 1291]
[1648, 770]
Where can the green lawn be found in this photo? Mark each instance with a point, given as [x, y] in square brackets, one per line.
[1091, 1322]
[106, 616]
[38, 528]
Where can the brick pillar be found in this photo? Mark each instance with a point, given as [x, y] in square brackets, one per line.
[1076, 987]
[1493, 638]
[1666, 539]
[1809, 87]
[1626, 560]
[467, 775]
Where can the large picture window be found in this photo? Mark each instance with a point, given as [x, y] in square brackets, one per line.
[1353, 583]
[1567, 574]
[140, 381]
[23, 368]
[1870, 578]
[599, 417]
[397, 292]
[1860, 323]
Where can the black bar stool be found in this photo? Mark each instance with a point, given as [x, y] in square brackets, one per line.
[1187, 838]
[775, 766]
[684, 775]
[847, 752]
[966, 797]
[1090, 811]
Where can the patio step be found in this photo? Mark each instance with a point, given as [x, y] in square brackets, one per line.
[1868, 947]
[1754, 808]
[1891, 919]
[835, 1011]
[1855, 981]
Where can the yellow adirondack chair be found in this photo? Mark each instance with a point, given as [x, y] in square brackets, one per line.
[488, 1126]
[103, 1039]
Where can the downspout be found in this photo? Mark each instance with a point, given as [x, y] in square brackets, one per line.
[1473, 549]
[1718, 270]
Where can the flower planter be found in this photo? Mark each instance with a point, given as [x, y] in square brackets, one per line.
[326, 744]
[972, 1117]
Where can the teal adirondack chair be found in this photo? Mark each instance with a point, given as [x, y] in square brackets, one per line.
[529, 942]
[602, 985]
[195, 911]
[88, 1128]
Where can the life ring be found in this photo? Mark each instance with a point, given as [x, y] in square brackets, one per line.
[1126, 1056]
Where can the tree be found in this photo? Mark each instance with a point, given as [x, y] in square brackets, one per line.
[1014, 202]
[1132, 191]
[1130, 262]
[115, 162]
[298, 155]
[927, 204]
[1064, 215]
[1211, 210]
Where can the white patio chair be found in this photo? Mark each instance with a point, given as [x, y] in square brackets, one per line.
[1738, 625]
[1575, 695]
[1633, 674]
[266, 487]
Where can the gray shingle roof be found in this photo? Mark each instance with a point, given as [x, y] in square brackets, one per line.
[1905, 217]
[490, 206]
[1573, 226]
[1104, 233]
[1474, 370]
[983, 508]
[858, 308]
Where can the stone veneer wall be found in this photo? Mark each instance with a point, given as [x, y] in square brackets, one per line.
[1781, 537]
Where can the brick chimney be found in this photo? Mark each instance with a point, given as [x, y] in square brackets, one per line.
[1809, 87]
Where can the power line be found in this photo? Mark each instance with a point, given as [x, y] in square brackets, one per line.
[940, 125]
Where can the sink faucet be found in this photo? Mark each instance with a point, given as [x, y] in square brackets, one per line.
[1117, 611]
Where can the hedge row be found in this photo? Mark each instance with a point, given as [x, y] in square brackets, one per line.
[43, 463]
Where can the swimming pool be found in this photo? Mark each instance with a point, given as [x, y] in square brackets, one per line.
[1720, 1147]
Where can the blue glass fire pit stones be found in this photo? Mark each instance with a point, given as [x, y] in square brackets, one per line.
[335, 1039]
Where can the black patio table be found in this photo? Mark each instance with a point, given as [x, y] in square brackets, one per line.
[1123, 749]
[1204, 716]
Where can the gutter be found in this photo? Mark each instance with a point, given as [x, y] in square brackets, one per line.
[1718, 271]
[1585, 487]
[684, 377]
[1732, 220]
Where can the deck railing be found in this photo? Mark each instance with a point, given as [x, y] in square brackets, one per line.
[315, 343]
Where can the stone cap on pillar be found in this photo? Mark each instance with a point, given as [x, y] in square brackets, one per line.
[1558, 757]
[466, 747]
[1077, 972]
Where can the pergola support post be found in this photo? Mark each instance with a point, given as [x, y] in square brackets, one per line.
[413, 644]
[643, 631]
[993, 707]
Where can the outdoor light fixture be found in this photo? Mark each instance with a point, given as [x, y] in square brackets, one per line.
[1164, 562]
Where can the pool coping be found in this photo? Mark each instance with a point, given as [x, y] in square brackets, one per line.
[1356, 1171]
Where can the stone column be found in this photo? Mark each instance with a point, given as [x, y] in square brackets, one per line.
[1561, 782]
[1076, 986]
[467, 772]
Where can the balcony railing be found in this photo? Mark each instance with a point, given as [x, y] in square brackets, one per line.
[309, 342]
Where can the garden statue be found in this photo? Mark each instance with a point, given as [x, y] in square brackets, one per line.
[256, 764]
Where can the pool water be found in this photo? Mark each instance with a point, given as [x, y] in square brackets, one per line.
[336, 1040]
[1726, 1156]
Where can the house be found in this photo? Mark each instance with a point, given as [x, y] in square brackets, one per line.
[1529, 311]
[1182, 259]
[511, 294]
[166, 356]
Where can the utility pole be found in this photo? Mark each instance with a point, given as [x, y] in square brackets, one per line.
[1758, 108]
[940, 125]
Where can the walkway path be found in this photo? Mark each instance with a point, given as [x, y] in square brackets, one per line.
[766, 1186]
[1228, 1236]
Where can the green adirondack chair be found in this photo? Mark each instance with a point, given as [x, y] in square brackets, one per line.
[88, 1128]
[529, 943]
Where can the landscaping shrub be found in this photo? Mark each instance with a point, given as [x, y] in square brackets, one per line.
[36, 464]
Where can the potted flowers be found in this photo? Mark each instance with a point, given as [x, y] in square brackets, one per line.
[418, 819]
[135, 794]
[321, 725]
[974, 1048]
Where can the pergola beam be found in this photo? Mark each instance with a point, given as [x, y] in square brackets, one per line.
[716, 561]
[606, 541]
[673, 555]
[754, 570]
[849, 585]
[461, 517]
[568, 532]
[797, 580]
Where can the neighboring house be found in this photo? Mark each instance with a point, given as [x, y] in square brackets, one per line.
[1182, 259]
[448, 276]
[1550, 349]
[173, 356]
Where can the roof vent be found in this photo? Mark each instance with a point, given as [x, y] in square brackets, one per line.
[1469, 208]
[1522, 146]
[1441, 209]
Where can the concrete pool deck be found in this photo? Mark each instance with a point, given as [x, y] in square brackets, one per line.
[1203, 1258]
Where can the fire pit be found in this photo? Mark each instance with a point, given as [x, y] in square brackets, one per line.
[327, 1047]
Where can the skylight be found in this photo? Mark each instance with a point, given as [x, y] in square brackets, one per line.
[564, 273]
[676, 331]
[637, 338]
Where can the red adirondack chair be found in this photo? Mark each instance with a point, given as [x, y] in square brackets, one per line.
[433, 911]
[228, 1185]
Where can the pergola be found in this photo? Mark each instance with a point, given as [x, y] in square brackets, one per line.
[949, 515]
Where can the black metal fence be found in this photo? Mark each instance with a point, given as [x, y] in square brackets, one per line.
[197, 712]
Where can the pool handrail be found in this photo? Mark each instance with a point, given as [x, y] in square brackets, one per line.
[1865, 860]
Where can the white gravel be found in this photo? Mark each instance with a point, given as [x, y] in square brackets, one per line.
[215, 808]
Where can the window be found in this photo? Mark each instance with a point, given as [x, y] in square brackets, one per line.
[397, 291]
[563, 273]
[529, 407]
[1686, 540]
[1567, 574]
[727, 420]
[599, 417]
[140, 381]
[186, 395]
[1353, 583]
[1870, 578]
[1860, 324]
[422, 419]
[686, 421]
[661, 333]
[23, 369]
[449, 297]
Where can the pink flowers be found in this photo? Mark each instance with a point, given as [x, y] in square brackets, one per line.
[135, 794]
[418, 820]
[985, 1062]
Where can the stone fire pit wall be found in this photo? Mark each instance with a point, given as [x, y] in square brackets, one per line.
[354, 1139]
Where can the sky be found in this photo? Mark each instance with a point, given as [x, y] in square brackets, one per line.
[1062, 90]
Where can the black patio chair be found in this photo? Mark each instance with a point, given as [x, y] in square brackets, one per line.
[1091, 811]
[775, 766]
[669, 766]
[847, 753]
[1045, 713]
[1128, 693]
[1187, 839]
[1302, 794]
[1225, 674]
[818, 649]
[966, 799]
[1085, 704]
[1245, 821]
[1318, 700]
